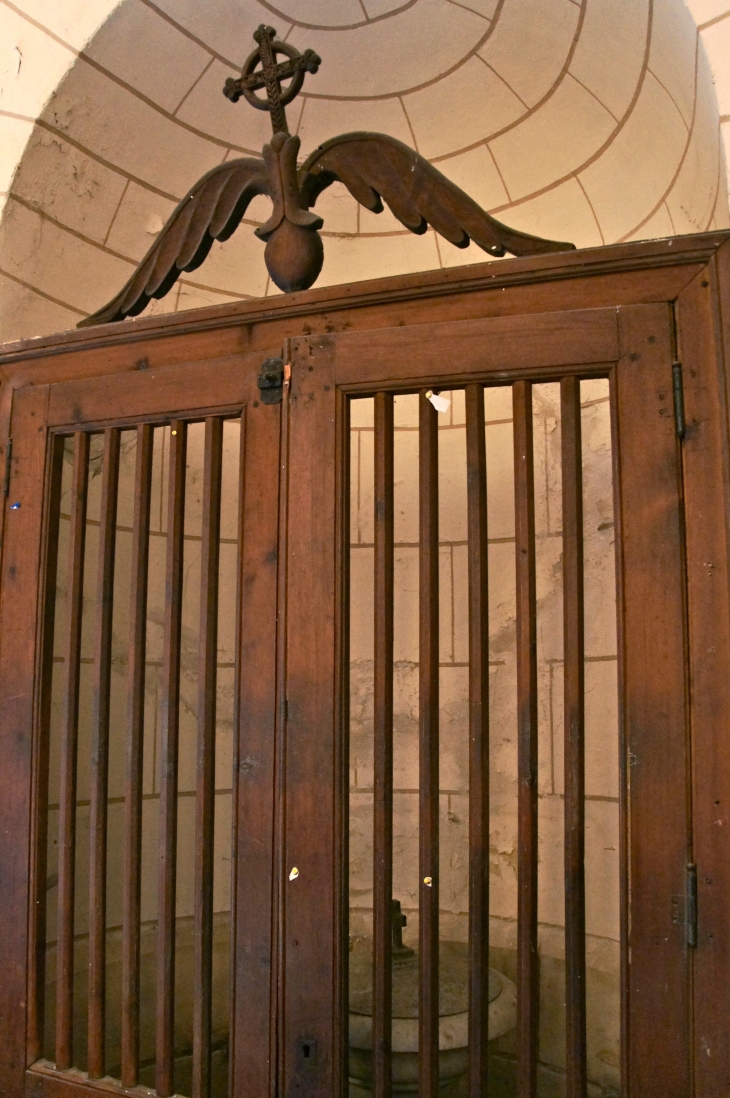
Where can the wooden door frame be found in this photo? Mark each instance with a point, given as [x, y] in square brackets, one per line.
[19, 626]
[40, 413]
[691, 273]
[326, 369]
[702, 316]
[653, 704]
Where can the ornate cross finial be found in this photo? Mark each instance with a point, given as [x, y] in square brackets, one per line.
[271, 76]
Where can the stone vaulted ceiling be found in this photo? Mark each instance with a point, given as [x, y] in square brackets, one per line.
[587, 120]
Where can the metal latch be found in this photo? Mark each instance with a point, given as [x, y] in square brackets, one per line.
[271, 380]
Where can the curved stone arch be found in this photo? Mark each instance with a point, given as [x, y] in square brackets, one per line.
[90, 177]
[397, 8]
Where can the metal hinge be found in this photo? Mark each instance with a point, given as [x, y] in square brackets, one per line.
[678, 392]
[8, 460]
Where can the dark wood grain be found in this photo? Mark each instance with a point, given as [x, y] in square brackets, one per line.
[528, 973]
[703, 345]
[650, 271]
[235, 778]
[217, 385]
[623, 760]
[459, 350]
[167, 827]
[655, 699]
[428, 749]
[383, 748]
[343, 474]
[574, 749]
[478, 556]
[42, 1080]
[69, 753]
[195, 338]
[637, 271]
[277, 1001]
[136, 677]
[205, 781]
[254, 928]
[100, 754]
[18, 654]
[312, 906]
[39, 868]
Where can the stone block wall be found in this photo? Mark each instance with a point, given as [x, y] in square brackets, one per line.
[602, 832]
[153, 715]
[602, 835]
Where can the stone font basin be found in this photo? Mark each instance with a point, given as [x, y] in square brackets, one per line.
[453, 1011]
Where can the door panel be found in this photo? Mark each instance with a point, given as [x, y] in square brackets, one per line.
[632, 349]
[655, 698]
[504, 484]
[171, 781]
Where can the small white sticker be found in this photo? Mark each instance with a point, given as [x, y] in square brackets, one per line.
[294, 874]
[441, 404]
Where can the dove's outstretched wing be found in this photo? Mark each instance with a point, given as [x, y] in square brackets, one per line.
[374, 166]
[211, 211]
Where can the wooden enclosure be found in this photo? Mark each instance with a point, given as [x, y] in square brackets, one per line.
[140, 454]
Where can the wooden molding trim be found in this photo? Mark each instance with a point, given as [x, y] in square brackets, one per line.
[609, 259]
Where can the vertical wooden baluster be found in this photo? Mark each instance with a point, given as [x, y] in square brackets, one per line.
[528, 976]
[233, 951]
[343, 570]
[625, 969]
[169, 763]
[476, 480]
[573, 655]
[131, 901]
[205, 784]
[69, 751]
[383, 734]
[100, 754]
[428, 784]
[277, 999]
[39, 891]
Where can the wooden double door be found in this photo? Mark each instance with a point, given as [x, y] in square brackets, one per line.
[433, 615]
